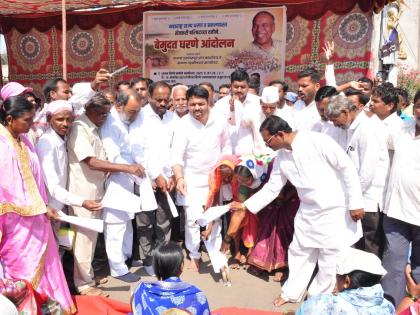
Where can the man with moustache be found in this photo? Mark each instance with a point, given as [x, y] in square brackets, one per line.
[52, 152]
[330, 205]
[239, 109]
[199, 141]
[367, 148]
[150, 138]
[89, 169]
[263, 27]
[402, 212]
[306, 113]
[179, 101]
[118, 229]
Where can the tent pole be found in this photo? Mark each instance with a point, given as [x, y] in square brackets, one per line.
[64, 37]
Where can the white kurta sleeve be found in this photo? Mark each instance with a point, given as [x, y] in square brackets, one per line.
[225, 141]
[341, 162]
[179, 146]
[48, 162]
[330, 75]
[270, 190]
[137, 142]
[110, 139]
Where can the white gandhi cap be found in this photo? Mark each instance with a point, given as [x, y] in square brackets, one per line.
[351, 259]
[270, 95]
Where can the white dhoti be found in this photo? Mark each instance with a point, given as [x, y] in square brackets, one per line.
[119, 243]
[118, 231]
[302, 262]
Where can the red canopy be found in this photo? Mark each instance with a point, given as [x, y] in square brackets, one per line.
[42, 14]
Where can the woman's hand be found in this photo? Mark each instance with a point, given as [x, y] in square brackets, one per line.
[412, 287]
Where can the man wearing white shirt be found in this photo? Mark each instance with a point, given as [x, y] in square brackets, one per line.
[322, 98]
[238, 109]
[331, 203]
[383, 103]
[306, 114]
[402, 211]
[282, 88]
[199, 142]
[367, 148]
[179, 101]
[150, 137]
[118, 230]
[52, 152]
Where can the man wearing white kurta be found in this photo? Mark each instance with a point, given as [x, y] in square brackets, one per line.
[238, 109]
[118, 230]
[52, 152]
[402, 211]
[331, 203]
[199, 142]
[306, 113]
[151, 135]
[367, 148]
[383, 103]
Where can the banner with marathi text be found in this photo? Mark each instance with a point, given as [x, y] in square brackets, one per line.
[196, 46]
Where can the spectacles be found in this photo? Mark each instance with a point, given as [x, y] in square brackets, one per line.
[269, 140]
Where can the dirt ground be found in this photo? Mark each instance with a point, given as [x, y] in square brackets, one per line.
[247, 291]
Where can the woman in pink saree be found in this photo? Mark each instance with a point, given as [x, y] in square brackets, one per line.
[27, 246]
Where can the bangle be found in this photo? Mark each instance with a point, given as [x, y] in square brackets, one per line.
[227, 239]
[411, 297]
[176, 180]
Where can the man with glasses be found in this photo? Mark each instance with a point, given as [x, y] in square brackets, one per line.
[88, 171]
[331, 203]
[179, 101]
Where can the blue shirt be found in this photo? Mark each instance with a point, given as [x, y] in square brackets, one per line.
[361, 301]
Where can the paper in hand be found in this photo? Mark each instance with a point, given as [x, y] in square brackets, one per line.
[212, 214]
[96, 225]
[218, 259]
[148, 199]
[118, 198]
[172, 206]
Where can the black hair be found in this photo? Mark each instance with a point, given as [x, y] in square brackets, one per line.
[167, 260]
[363, 98]
[404, 94]
[312, 73]
[366, 80]
[124, 96]
[254, 84]
[51, 85]
[274, 124]
[239, 75]
[139, 79]
[282, 83]
[325, 91]
[362, 279]
[159, 84]
[149, 81]
[15, 106]
[257, 75]
[97, 101]
[242, 170]
[197, 91]
[224, 86]
[122, 82]
[263, 12]
[416, 97]
[211, 86]
[387, 94]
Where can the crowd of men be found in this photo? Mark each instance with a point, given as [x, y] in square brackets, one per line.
[349, 150]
